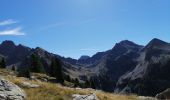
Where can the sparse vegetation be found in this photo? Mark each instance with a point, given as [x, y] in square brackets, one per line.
[23, 72]
[53, 91]
[67, 78]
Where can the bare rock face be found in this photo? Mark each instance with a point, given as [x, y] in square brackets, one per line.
[10, 91]
[30, 85]
[164, 95]
[151, 74]
[85, 97]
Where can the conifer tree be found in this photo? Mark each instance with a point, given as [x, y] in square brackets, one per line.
[3, 63]
[92, 83]
[24, 72]
[67, 78]
[87, 83]
[56, 70]
[36, 65]
[13, 68]
[76, 82]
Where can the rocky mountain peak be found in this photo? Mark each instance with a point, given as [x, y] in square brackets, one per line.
[22, 47]
[127, 42]
[8, 43]
[7, 47]
[84, 57]
[39, 49]
[157, 42]
[127, 45]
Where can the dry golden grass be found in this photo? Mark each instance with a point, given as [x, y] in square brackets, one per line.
[52, 91]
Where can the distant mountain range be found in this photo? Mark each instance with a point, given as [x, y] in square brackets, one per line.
[126, 68]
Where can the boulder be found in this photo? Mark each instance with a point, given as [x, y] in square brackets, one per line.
[85, 97]
[164, 95]
[30, 85]
[146, 98]
[43, 79]
[33, 78]
[10, 91]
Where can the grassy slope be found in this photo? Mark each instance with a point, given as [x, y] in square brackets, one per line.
[52, 91]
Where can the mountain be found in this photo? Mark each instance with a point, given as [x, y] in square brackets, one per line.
[151, 75]
[14, 54]
[20, 56]
[126, 68]
[119, 60]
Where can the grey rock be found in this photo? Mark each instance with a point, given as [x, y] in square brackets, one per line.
[44, 79]
[33, 78]
[30, 85]
[10, 91]
[85, 97]
[146, 98]
[164, 95]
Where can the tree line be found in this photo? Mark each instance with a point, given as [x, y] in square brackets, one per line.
[55, 70]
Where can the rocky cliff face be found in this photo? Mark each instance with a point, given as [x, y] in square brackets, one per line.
[150, 76]
[118, 61]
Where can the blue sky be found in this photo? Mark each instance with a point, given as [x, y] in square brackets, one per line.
[73, 28]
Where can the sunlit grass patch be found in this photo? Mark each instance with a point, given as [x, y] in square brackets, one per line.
[53, 91]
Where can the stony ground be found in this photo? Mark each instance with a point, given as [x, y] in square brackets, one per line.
[40, 89]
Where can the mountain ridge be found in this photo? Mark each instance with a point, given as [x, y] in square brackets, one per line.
[120, 69]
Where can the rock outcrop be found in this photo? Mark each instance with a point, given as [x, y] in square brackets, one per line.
[85, 97]
[164, 95]
[10, 91]
[151, 74]
[30, 85]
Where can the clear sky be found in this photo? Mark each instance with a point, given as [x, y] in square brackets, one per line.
[73, 28]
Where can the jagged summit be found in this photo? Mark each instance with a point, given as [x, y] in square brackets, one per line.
[84, 57]
[39, 49]
[126, 44]
[157, 43]
[7, 43]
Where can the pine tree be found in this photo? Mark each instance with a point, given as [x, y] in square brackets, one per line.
[24, 72]
[92, 84]
[76, 82]
[56, 70]
[67, 78]
[52, 68]
[3, 63]
[36, 65]
[87, 83]
[13, 68]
